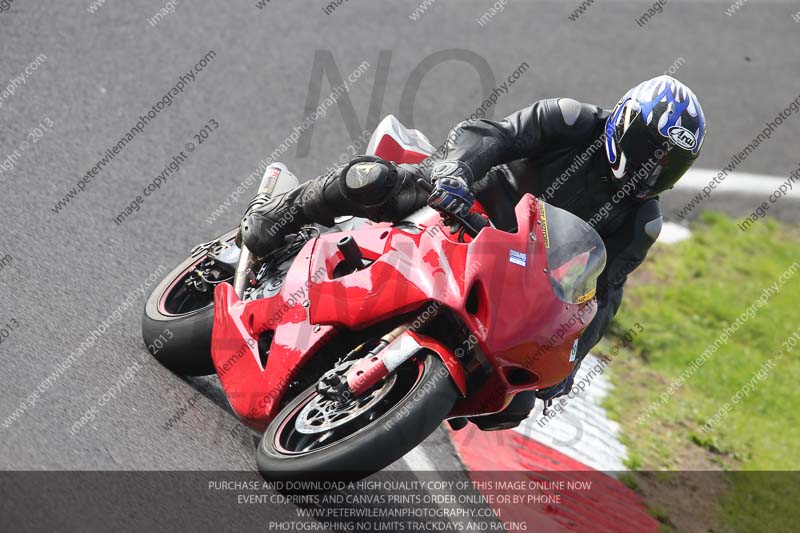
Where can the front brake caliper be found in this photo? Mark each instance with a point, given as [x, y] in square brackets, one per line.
[333, 385]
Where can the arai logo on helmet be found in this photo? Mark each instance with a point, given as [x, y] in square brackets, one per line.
[682, 137]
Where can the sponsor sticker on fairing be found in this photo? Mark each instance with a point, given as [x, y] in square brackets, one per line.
[574, 351]
[586, 297]
[543, 219]
[518, 258]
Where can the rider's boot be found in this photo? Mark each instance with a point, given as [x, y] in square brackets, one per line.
[366, 187]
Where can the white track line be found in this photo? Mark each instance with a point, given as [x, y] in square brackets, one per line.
[672, 233]
[736, 182]
[418, 461]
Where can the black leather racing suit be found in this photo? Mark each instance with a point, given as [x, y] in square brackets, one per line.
[554, 150]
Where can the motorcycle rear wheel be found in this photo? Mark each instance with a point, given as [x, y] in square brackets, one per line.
[420, 395]
[176, 325]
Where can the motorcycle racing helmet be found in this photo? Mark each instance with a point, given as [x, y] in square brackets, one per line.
[653, 136]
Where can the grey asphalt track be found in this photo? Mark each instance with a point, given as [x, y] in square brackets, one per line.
[70, 270]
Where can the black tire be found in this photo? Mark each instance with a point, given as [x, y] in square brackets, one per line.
[416, 415]
[180, 342]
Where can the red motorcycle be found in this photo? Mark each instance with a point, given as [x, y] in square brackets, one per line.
[351, 344]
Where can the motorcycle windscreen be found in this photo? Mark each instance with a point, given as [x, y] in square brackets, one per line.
[576, 254]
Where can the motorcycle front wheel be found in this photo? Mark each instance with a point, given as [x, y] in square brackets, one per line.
[314, 438]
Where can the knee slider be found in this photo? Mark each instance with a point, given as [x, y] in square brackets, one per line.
[369, 181]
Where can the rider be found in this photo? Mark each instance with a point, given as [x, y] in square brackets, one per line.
[552, 149]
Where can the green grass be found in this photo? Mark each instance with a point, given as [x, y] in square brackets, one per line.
[684, 297]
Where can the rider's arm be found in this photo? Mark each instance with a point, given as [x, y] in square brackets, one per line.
[626, 250]
[543, 126]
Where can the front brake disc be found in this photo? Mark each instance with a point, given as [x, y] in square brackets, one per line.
[323, 414]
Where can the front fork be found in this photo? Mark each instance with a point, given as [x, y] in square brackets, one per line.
[394, 349]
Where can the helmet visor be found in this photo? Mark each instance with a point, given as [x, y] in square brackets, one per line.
[653, 164]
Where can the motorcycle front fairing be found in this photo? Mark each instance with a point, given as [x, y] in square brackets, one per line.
[499, 284]
[255, 388]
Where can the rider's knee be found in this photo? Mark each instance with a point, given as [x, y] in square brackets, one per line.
[369, 181]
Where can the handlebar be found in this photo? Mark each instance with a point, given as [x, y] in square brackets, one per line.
[473, 223]
[425, 184]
